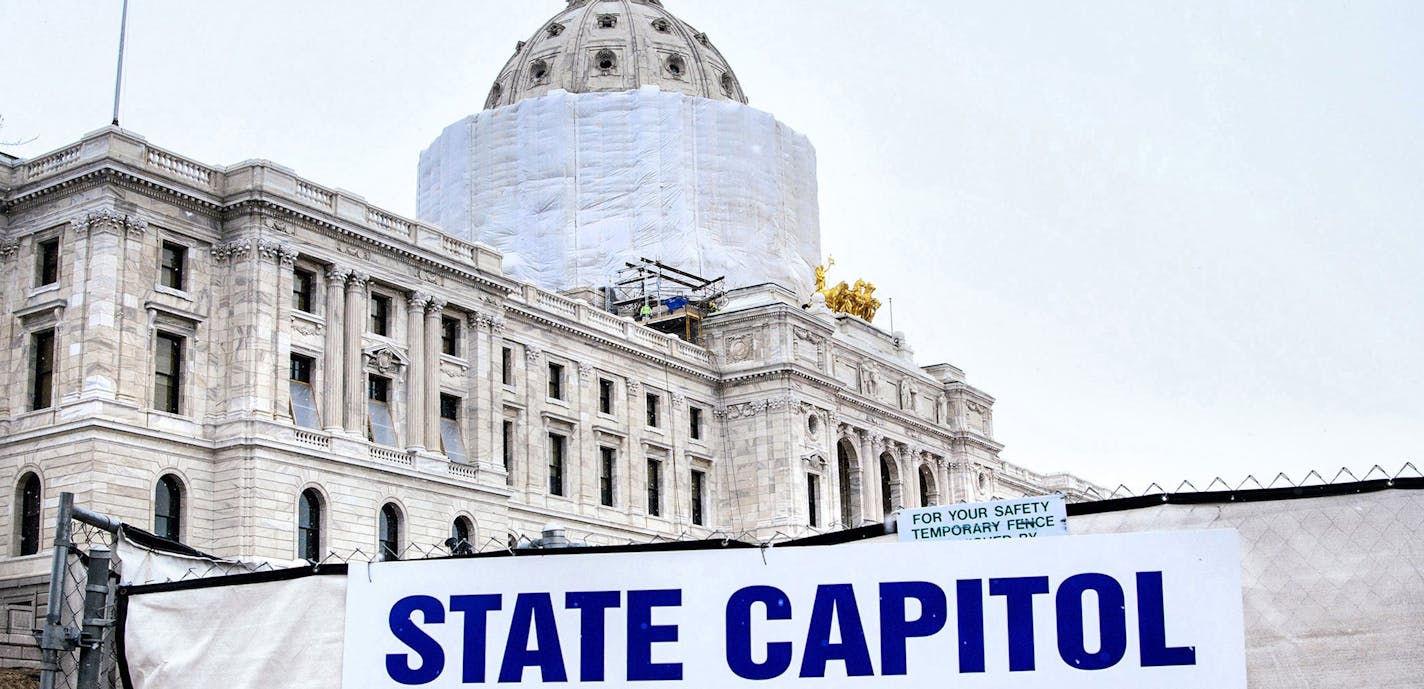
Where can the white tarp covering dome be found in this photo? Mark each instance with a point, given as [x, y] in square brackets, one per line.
[572, 183]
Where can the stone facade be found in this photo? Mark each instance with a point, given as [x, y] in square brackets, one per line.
[786, 397]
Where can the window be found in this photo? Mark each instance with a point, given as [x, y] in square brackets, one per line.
[651, 403]
[47, 262]
[813, 498]
[676, 67]
[607, 21]
[694, 422]
[452, 441]
[605, 396]
[607, 62]
[506, 366]
[309, 526]
[607, 459]
[556, 381]
[304, 412]
[168, 508]
[28, 498]
[388, 540]
[380, 314]
[507, 446]
[662, 25]
[449, 336]
[303, 290]
[699, 492]
[172, 266]
[380, 428]
[655, 487]
[539, 72]
[168, 373]
[461, 531]
[556, 464]
[42, 382]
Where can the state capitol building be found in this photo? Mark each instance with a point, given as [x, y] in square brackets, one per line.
[611, 315]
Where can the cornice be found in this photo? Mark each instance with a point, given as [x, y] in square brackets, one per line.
[605, 341]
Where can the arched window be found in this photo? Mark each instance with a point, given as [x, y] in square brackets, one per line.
[168, 508]
[27, 497]
[462, 530]
[309, 525]
[388, 532]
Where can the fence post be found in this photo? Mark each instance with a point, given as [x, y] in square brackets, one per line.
[96, 599]
[53, 641]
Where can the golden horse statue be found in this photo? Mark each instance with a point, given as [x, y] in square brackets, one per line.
[856, 301]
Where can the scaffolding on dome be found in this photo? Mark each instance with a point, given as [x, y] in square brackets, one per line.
[665, 298]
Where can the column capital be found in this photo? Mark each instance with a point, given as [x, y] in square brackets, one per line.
[337, 275]
[231, 250]
[8, 248]
[435, 305]
[356, 280]
[416, 301]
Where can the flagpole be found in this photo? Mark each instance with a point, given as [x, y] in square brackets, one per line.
[119, 74]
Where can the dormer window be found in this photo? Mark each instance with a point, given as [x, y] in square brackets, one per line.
[662, 25]
[676, 67]
[555, 29]
[702, 38]
[495, 92]
[605, 61]
[607, 21]
[728, 85]
[539, 72]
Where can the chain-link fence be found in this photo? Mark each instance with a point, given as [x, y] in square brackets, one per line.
[77, 642]
[1316, 574]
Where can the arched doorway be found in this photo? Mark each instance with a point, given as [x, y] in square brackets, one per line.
[848, 483]
[890, 484]
[929, 491]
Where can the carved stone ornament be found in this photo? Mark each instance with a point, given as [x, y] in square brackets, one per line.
[384, 358]
[532, 354]
[739, 348]
[869, 378]
[303, 327]
[231, 250]
[678, 399]
[585, 371]
[108, 220]
[274, 250]
[8, 248]
[742, 410]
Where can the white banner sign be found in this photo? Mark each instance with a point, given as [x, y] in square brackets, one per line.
[1024, 518]
[1116, 611]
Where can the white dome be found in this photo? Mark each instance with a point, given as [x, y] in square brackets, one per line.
[615, 45]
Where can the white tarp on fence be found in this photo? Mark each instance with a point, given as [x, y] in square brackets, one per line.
[571, 186]
[1332, 587]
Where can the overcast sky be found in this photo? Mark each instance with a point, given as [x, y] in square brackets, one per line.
[1176, 240]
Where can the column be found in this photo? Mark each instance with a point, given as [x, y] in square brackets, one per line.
[333, 353]
[433, 331]
[355, 322]
[415, 373]
[9, 289]
[870, 476]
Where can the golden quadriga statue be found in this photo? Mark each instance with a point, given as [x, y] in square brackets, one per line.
[843, 298]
